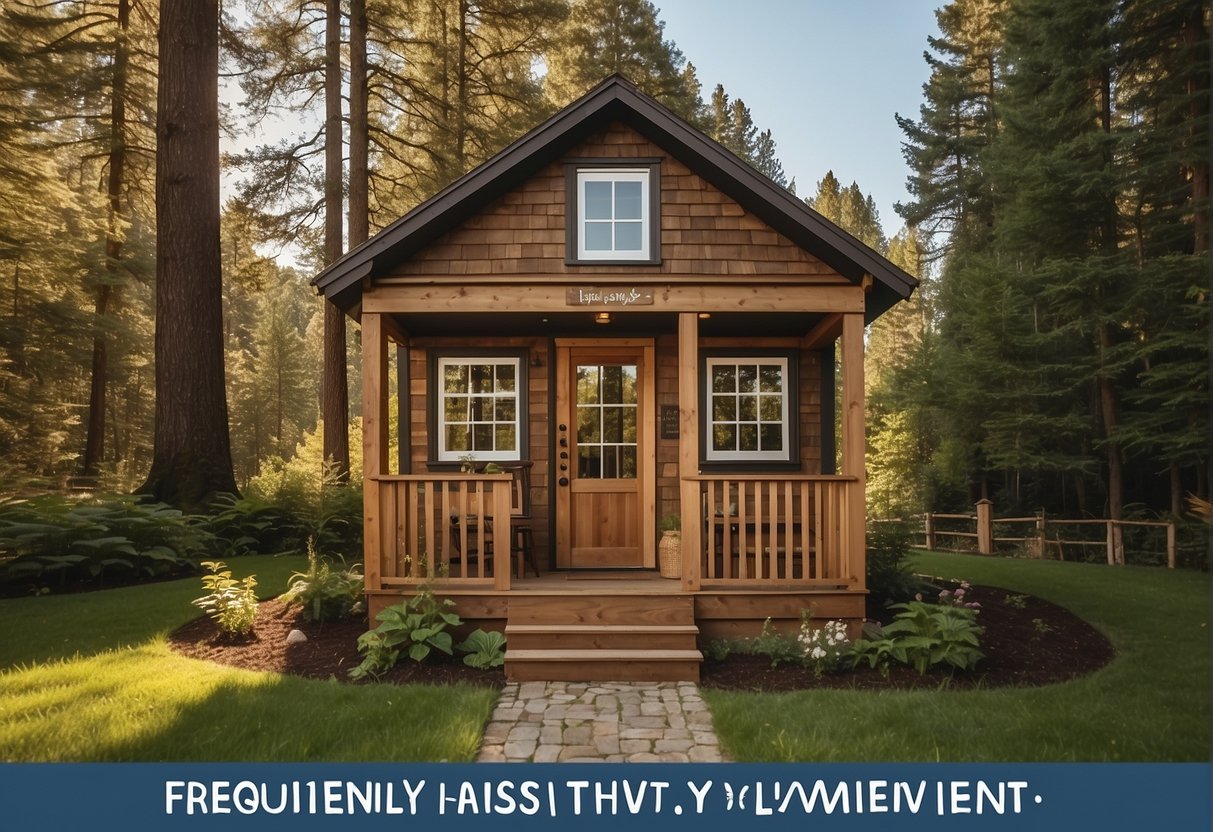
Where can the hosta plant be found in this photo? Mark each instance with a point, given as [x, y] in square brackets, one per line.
[417, 625]
[483, 649]
[925, 635]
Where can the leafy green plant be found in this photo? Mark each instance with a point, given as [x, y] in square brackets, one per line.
[418, 625]
[483, 649]
[889, 577]
[230, 603]
[301, 498]
[250, 525]
[717, 650]
[66, 542]
[1017, 602]
[877, 652]
[671, 523]
[926, 635]
[324, 593]
[777, 647]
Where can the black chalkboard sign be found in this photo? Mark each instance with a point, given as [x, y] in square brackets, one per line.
[669, 421]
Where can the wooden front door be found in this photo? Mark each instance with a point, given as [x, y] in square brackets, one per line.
[605, 456]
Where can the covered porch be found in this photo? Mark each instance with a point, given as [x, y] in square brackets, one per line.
[763, 543]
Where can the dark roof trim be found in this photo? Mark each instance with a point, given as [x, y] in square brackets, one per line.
[616, 99]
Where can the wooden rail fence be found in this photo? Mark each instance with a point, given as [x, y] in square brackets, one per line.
[1043, 535]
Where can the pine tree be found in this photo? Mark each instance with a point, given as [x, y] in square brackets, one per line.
[77, 101]
[767, 162]
[469, 90]
[602, 37]
[953, 201]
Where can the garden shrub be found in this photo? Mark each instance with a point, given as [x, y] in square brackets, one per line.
[231, 604]
[823, 647]
[889, 577]
[324, 593]
[418, 625]
[61, 542]
[924, 635]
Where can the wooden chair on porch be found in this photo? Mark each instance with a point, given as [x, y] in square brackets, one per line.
[471, 538]
[522, 536]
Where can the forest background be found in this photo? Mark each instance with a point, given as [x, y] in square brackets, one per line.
[1055, 356]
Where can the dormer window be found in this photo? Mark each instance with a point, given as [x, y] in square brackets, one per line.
[613, 213]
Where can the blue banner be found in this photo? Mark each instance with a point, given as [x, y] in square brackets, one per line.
[973, 797]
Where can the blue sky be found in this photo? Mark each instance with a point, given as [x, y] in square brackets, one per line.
[824, 76]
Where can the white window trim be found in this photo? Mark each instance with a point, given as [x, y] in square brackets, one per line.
[445, 455]
[712, 455]
[640, 175]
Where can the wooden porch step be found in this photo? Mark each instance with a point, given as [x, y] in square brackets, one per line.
[601, 636]
[598, 665]
[603, 608]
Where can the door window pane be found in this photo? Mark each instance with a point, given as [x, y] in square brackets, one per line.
[607, 405]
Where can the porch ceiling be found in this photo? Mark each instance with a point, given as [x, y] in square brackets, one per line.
[721, 324]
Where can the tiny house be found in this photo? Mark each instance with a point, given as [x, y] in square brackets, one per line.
[612, 322]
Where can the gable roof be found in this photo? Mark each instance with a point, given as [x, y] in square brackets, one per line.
[615, 99]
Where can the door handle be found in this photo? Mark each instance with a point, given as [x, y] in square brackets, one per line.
[564, 481]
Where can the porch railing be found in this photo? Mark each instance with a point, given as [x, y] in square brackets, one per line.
[454, 528]
[761, 529]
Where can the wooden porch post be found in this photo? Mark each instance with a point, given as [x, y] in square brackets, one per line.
[374, 441]
[690, 507]
[854, 446]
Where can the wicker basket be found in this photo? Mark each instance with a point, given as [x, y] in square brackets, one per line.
[669, 551]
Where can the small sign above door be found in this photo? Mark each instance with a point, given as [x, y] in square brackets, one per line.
[608, 296]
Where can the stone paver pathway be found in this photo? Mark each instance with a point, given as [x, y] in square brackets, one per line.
[614, 722]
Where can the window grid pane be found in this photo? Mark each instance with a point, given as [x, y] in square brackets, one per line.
[613, 214]
[748, 414]
[478, 409]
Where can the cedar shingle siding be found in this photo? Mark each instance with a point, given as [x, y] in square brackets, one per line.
[703, 232]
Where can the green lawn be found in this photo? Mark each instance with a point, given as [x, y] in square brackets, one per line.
[89, 677]
[1150, 703]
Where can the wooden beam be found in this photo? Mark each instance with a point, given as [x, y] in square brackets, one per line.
[853, 446]
[825, 332]
[666, 298]
[826, 276]
[374, 442]
[394, 331]
[690, 507]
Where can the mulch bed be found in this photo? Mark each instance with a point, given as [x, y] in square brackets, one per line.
[329, 652]
[1038, 644]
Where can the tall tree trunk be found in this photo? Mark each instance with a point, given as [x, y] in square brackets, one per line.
[94, 444]
[1195, 32]
[334, 396]
[1108, 406]
[1177, 489]
[191, 457]
[360, 210]
[1116, 483]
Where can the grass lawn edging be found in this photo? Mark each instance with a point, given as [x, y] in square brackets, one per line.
[1150, 704]
[89, 677]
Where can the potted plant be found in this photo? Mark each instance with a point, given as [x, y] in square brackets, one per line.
[669, 549]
